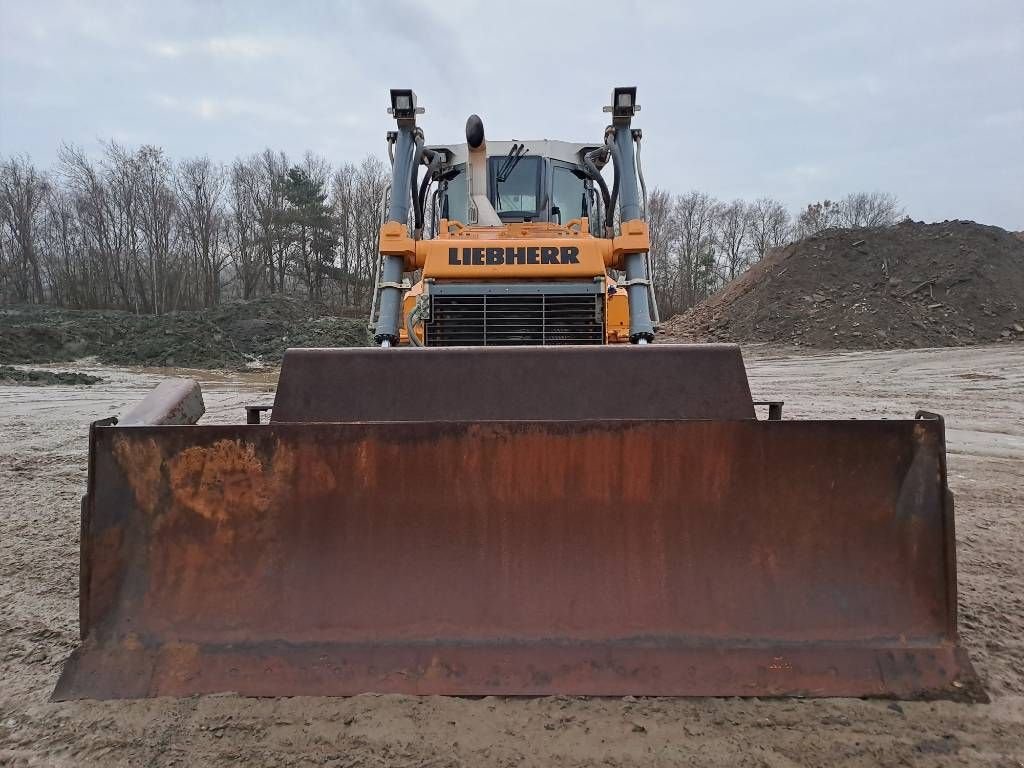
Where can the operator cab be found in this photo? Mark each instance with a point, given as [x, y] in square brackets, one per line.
[527, 181]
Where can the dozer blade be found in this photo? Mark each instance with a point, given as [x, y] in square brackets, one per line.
[607, 556]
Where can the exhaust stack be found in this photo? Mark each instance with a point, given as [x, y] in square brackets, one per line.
[481, 212]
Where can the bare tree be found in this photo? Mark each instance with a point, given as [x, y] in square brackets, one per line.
[770, 226]
[732, 236]
[243, 230]
[343, 194]
[158, 210]
[869, 209]
[70, 280]
[200, 189]
[817, 217]
[659, 227]
[23, 190]
[367, 215]
[270, 172]
[94, 207]
[694, 215]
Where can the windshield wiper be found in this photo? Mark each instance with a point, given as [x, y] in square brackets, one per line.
[511, 161]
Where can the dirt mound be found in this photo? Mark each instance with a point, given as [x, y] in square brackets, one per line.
[234, 335]
[909, 285]
[11, 375]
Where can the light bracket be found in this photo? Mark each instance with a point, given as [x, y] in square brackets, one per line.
[623, 105]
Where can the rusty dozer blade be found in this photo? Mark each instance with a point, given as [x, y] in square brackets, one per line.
[509, 552]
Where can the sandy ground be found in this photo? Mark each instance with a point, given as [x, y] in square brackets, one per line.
[42, 476]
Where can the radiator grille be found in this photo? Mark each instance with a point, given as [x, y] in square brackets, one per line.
[515, 319]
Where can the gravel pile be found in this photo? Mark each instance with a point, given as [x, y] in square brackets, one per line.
[908, 285]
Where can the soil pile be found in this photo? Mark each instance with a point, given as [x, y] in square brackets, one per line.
[11, 375]
[908, 285]
[236, 334]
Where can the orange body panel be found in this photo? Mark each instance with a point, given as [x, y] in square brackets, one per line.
[519, 252]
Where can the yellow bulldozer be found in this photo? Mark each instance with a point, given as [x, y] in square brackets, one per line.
[515, 491]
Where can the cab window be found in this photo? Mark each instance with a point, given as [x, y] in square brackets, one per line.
[456, 200]
[567, 194]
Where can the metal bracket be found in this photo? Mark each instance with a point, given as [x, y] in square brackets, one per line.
[400, 286]
[623, 283]
[931, 417]
[252, 413]
[774, 408]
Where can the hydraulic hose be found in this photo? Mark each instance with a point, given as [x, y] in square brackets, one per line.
[595, 174]
[609, 141]
[412, 319]
[433, 165]
[640, 171]
[434, 213]
[417, 159]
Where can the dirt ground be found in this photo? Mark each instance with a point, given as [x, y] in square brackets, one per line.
[42, 476]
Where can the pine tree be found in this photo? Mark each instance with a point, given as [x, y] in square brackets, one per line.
[312, 228]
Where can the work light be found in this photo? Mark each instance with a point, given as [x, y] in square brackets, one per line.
[403, 104]
[623, 102]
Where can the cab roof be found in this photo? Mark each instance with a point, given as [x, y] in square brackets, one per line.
[566, 151]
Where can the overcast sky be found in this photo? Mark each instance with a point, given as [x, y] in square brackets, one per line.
[797, 99]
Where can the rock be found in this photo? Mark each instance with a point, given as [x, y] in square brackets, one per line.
[948, 744]
[835, 720]
[12, 375]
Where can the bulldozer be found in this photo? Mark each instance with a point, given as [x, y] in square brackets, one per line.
[515, 490]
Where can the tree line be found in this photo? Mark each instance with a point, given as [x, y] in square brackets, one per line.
[133, 229]
[698, 243]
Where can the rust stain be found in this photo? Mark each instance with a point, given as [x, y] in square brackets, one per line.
[107, 570]
[220, 517]
[365, 467]
[142, 463]
[178, 664]
[220, 480]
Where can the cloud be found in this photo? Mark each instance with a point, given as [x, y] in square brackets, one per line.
[246, 47]
[1009, 117]
[795, 99]
[839, 93]
[806, 172]
[212, 109]
[229, 48]
[166, 50]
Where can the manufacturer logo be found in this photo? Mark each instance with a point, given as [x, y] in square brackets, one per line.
[493, 257]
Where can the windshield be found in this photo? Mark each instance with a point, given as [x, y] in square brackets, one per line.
[516, 195]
